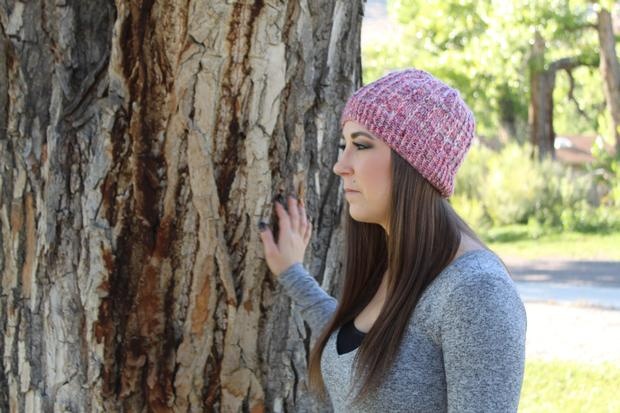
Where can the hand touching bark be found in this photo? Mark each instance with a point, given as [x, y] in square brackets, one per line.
[293, 237]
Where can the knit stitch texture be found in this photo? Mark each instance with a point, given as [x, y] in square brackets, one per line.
[421, 118]
[463, 350]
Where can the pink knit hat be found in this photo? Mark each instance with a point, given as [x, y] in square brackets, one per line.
[421, 118]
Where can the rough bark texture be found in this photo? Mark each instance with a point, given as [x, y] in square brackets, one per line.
[610, 72]
[140, 143]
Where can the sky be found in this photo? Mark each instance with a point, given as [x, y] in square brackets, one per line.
[376, 23]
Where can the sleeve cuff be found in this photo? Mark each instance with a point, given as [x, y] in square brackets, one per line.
[293, 269]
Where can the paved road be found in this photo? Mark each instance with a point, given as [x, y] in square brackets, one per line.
[567, 272]
[582, 283]
[588, 335]
[573, 308]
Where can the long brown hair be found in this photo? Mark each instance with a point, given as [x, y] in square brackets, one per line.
[425, 234]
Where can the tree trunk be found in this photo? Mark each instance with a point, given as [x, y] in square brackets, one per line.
[542, 82]
[507, 115]
[140, 144]
[542, 78]
[610, 72]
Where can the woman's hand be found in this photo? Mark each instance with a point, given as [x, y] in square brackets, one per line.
[293, 237]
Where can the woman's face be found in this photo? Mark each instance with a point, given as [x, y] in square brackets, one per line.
[365, 167]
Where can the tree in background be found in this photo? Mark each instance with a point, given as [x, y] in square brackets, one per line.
[610, 68]
[484, 49]
[140, 144]
[542, 75]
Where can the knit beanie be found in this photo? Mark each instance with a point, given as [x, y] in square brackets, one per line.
[421, 118]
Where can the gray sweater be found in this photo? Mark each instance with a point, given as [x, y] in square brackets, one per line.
[463, 350]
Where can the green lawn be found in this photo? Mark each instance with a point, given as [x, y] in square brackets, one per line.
[519, 241]
[569, 387]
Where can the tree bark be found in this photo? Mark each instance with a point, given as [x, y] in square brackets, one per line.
[610, 72]
[140, 143]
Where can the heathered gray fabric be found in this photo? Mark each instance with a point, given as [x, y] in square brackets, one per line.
[463, 350]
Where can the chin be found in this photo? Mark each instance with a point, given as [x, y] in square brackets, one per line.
[355, 216]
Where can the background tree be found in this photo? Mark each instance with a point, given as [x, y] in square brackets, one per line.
[140, 143]
[610, 69]
[484, 49]
[542, 80]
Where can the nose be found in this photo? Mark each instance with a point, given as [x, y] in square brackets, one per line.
[342, 166]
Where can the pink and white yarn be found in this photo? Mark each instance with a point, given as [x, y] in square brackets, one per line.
[421, 118]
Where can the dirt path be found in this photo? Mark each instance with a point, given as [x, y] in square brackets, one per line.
[572, 333]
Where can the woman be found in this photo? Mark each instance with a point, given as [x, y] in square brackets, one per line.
[429, 319]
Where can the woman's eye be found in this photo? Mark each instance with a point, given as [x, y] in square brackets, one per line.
[357, 145]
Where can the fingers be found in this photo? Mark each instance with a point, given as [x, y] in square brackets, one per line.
[284, 220]
[296, 219]
[303, 218]
[307, 233]
[293, 210]
[267, 237]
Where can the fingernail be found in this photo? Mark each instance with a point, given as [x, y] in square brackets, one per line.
[262, 226]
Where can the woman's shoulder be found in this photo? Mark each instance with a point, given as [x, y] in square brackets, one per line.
[476, 260]
[479, 280]
[476, 266]
[474, 272]
[476, 283]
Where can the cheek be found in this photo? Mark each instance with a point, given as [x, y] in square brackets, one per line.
[386, 182]
[382, 172]
[384, 186]
[379, 179]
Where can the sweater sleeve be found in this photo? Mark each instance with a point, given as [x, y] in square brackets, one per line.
[315, 305]
[483, 342]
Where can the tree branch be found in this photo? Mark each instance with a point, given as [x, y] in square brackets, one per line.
[571, 95]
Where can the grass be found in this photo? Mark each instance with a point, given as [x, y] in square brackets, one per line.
[520, 241]
[570, 387]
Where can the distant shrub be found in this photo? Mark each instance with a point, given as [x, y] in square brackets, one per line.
[508, 187]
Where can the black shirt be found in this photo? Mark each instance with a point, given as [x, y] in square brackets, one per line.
[349, 338]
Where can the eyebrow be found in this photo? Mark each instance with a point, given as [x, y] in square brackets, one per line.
[360, 133]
